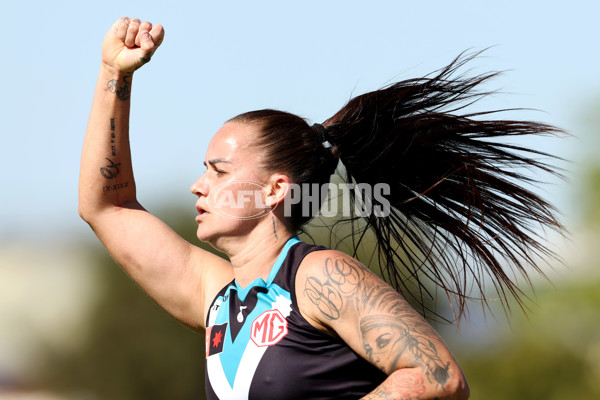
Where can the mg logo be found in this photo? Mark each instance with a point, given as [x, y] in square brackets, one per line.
[268, 328]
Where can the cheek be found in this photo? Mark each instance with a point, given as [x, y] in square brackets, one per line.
[238, 200]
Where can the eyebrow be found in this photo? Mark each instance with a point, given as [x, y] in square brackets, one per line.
[217, 160]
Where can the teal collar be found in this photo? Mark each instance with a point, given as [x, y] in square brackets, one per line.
[243, 292]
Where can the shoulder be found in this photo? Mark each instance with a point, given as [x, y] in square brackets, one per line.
[330, 268]
[321, 260]
[334, 289]
[326, 284]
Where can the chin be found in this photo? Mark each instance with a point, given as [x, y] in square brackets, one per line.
[215, 232]
[204, 235]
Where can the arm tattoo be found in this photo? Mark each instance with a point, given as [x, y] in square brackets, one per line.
[115, 186]
[409, 385]
[112, 85]
[112, 137]
[390, 328]
[124, 91]
[328, 295]
[146, 58]
[111, 170]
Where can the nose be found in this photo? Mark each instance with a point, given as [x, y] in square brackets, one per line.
[200, 188]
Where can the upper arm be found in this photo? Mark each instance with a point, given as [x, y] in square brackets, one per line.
[337, 293]
[180, 277]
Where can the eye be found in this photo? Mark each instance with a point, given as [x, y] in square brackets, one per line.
[383, 340]
[213, 167]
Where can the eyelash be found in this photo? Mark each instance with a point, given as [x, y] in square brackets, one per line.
[218, 171]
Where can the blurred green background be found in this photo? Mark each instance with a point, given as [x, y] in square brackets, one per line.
[123, 346]
[73, 326]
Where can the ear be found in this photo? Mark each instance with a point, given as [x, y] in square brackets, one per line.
[277, 190]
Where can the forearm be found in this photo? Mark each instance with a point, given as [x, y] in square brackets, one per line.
[106, 174]
[412, 383]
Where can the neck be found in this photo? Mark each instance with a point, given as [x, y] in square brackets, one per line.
[252, 255]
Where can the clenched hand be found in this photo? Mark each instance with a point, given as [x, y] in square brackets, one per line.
[130, 43]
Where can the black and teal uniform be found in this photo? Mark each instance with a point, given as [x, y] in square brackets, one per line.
[258, 345]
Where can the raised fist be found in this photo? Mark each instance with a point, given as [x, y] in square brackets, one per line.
[130, 43]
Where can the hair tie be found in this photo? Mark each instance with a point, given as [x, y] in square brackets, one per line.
[327, 143]
[326, 139]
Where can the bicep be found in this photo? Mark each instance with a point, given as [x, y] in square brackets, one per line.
[176, 274]
[371, 317]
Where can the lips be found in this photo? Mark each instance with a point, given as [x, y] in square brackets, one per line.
[201, 211]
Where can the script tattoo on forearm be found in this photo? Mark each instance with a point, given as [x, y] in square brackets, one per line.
[115, 186]
[390, 328]
[112, 168]
[113, 136]
[123, 91]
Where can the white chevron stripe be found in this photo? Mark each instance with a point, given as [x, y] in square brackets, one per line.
[248, 364]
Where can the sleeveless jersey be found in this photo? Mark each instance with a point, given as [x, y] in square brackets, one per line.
[258, 345]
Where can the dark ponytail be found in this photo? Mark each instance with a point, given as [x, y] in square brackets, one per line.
[462, 211]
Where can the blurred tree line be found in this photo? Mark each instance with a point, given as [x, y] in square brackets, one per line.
[554, 352]
[552, 355]
[135, 350]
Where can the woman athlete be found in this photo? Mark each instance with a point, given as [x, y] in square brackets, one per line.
[288, 320]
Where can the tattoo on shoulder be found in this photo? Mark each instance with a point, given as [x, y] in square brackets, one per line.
[328, 294]
[390, 329]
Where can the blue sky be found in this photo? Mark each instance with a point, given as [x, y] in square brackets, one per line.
[221, 59]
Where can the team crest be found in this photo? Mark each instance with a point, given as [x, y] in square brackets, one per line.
[215, 335]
